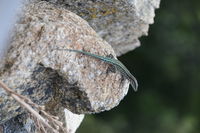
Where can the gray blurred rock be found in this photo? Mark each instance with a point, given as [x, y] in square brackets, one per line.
[8, 11]
[119, 22]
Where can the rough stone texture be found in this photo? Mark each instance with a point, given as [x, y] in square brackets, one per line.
[24, 123]
[119, 22]
[20, 124]
[51, 77]
[35, 70]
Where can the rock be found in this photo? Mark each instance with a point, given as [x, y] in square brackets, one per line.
[60, 79]
[73, 121]
[24, 123]
[20, 124]
[52, 77]
[119, 22]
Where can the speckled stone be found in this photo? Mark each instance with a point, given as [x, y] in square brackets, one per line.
[20, 124]
[119, 22]
[51, 77]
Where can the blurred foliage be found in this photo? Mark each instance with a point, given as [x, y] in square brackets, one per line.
[167, 67]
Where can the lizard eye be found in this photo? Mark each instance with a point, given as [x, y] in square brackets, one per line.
[111, 68]
[110, 56]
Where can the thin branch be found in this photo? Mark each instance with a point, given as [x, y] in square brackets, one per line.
[28, 107]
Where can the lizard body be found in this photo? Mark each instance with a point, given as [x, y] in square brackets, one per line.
[114, 62]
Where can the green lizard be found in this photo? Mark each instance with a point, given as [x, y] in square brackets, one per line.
[114, 62]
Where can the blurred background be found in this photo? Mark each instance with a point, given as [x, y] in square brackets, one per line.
[167, 67]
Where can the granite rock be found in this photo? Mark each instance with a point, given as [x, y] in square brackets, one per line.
[34, 68]
[119, 22]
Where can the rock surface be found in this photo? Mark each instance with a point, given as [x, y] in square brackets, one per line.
[119, 22]
[73, 121]
[20, 124]
[52, 77]
[63, 79]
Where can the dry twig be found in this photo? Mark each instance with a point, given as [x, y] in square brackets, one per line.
[51, 122]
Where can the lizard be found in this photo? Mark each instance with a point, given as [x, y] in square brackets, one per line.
[112, 61]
